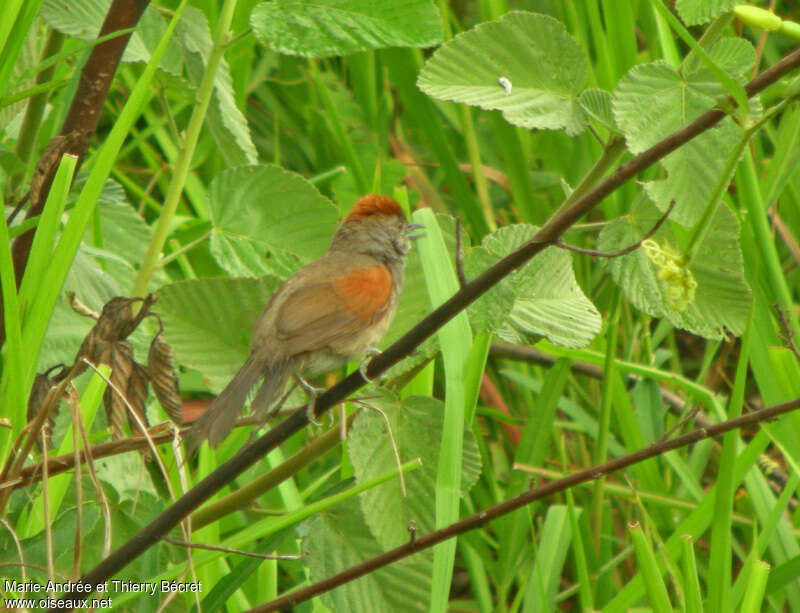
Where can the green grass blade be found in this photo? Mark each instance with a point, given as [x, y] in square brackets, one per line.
[455, 339]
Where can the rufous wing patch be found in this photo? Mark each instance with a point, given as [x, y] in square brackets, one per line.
[363, 292]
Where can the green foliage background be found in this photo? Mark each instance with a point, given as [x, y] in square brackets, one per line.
[235, 137]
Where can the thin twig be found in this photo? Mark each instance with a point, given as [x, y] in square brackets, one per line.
[63, 463]
[621, 252]
[186, 524]
[483, 517]
[76, 450]
[18, 545]
[28, 436]
[102, 500]
[240, 552]
[48, 527]
[685, 419]
[395, 450]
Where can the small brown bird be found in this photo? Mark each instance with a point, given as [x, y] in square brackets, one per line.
[328, 313]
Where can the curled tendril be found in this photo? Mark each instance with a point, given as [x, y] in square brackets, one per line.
[678, 280]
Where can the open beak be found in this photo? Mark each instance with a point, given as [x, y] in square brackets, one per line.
[415, 226]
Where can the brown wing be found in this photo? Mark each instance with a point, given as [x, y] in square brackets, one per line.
[320, 314]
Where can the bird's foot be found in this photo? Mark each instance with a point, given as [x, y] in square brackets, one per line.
[312, 392]
[369, 354]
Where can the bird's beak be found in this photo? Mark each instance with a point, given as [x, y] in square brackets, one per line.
[414, 226]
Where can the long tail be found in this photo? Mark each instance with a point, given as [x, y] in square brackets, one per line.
[273, 384]
[220, 417]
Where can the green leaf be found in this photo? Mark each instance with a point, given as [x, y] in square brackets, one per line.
[28, 58]
[227, 123]
[10, 162]
[126, 234]
[255, 209]
[525, 65]
[36, 547]
[339, 539]
[653, 100]
[126, 474]
[554, 542]
[82, 20]
[541, 299]
[324, 28]
[722, 298]
[214, 339]
[489, 311]
[694, 12]
[597, 105]
[417, 427]
[392, 173]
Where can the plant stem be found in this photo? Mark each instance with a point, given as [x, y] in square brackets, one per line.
[612, 151]
[183, 163]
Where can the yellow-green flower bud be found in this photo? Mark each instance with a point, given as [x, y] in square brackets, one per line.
[679, 282]
[790, 29]
[757, 17]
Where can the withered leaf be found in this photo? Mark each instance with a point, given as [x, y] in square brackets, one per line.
[165, 382]
[121, 362]
[137, 395]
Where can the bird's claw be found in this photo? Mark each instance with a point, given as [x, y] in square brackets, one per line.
[362, 367]
[313, 392]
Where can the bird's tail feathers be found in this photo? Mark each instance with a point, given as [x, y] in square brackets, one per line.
[218, 420]
[272, 385]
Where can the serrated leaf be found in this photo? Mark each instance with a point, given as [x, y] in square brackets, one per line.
[596, 103]
[524, 64]
[653, 100]
[339, 539]
[127, 235]
[256, 208]
[214, 339]
[722, 298]
[695, 12]
[547, 299]
[324, 28]
[734, 55]
[417, 428]
[227, 123]
[489, 311]
[83, 20]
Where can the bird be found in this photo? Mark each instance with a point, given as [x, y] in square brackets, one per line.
[330, 312]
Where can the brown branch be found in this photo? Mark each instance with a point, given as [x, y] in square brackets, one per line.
[80, 122]
[60, 464]
[483, 517]
[550, 232]
[676, 404]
